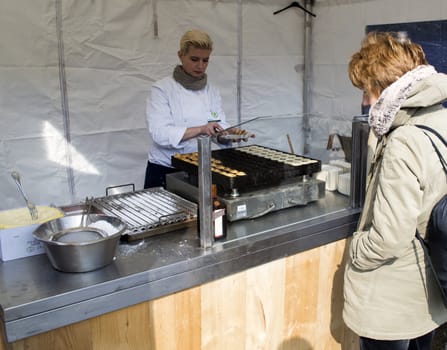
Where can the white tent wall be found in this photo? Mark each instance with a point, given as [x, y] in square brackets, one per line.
[337, 33]
[111, 51]
[81, 71]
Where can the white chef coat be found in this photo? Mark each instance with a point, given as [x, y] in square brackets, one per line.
[171, 109]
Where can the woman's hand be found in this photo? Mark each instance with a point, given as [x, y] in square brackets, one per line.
[210, 129]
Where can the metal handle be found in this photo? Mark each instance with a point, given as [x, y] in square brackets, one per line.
[119, 189]
[172, 218]
[268, 210]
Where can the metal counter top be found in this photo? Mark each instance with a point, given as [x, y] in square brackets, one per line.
[35, 298]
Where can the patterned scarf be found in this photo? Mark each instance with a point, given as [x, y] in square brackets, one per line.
[188, 81]
[382, 113]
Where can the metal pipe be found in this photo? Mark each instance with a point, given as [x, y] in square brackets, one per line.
[205, 207]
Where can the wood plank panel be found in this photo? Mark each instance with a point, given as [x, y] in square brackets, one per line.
[122, 329]
[291, 303]
[223, 313]
[301, 300]
[265, 306]
[330, 299]
[3, 344]
[175, 321]
[76, 336]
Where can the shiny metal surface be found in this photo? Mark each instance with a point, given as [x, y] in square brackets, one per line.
[360, 132]
[35, 298]
[254, 204]
[204, 192]
[180, 183]
[148, 212]
[78, 243]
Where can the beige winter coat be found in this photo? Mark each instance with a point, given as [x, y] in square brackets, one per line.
[389, 292]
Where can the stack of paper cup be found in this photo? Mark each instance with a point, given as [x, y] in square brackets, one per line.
[344, 184]
[329, 174]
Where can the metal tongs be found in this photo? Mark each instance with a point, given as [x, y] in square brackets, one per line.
[86, 212]
[31, 206]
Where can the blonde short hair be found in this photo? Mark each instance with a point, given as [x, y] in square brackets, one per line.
[197, 39]
[382, 59]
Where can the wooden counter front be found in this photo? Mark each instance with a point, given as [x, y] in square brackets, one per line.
[290, 303]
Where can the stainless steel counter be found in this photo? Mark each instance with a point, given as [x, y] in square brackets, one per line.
[35, 298]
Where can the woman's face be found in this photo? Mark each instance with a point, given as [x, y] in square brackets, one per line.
[195, 61]
[369, 98]
[373, 99]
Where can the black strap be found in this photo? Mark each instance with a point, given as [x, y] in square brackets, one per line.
[438, 135]
[418, 236]
[433, 131]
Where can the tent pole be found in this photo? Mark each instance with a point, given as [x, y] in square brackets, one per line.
[64, 100]
[239, 63]
[308, 4]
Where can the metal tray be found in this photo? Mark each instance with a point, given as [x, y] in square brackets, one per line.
[146, 213]
[249, 167]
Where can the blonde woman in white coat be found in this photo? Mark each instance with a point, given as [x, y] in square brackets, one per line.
[182, 107]
[391, 299]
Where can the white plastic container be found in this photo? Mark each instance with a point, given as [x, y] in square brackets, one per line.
[16, 232]
[18, 242]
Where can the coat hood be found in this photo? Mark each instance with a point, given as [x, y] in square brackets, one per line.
[428, 92]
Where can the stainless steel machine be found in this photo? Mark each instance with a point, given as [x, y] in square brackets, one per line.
[251, 180]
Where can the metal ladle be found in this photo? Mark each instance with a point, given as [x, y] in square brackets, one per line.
[30, 205]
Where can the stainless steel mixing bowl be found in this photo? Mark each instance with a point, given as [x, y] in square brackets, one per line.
[80, 243]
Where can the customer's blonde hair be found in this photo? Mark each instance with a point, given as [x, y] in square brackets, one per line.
[382, 59]
[197, 39]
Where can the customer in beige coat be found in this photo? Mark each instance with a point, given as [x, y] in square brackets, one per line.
[391, 299]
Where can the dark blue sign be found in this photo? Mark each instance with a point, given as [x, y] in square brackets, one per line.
[431, 35]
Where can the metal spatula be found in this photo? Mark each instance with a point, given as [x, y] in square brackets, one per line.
[31, 206]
